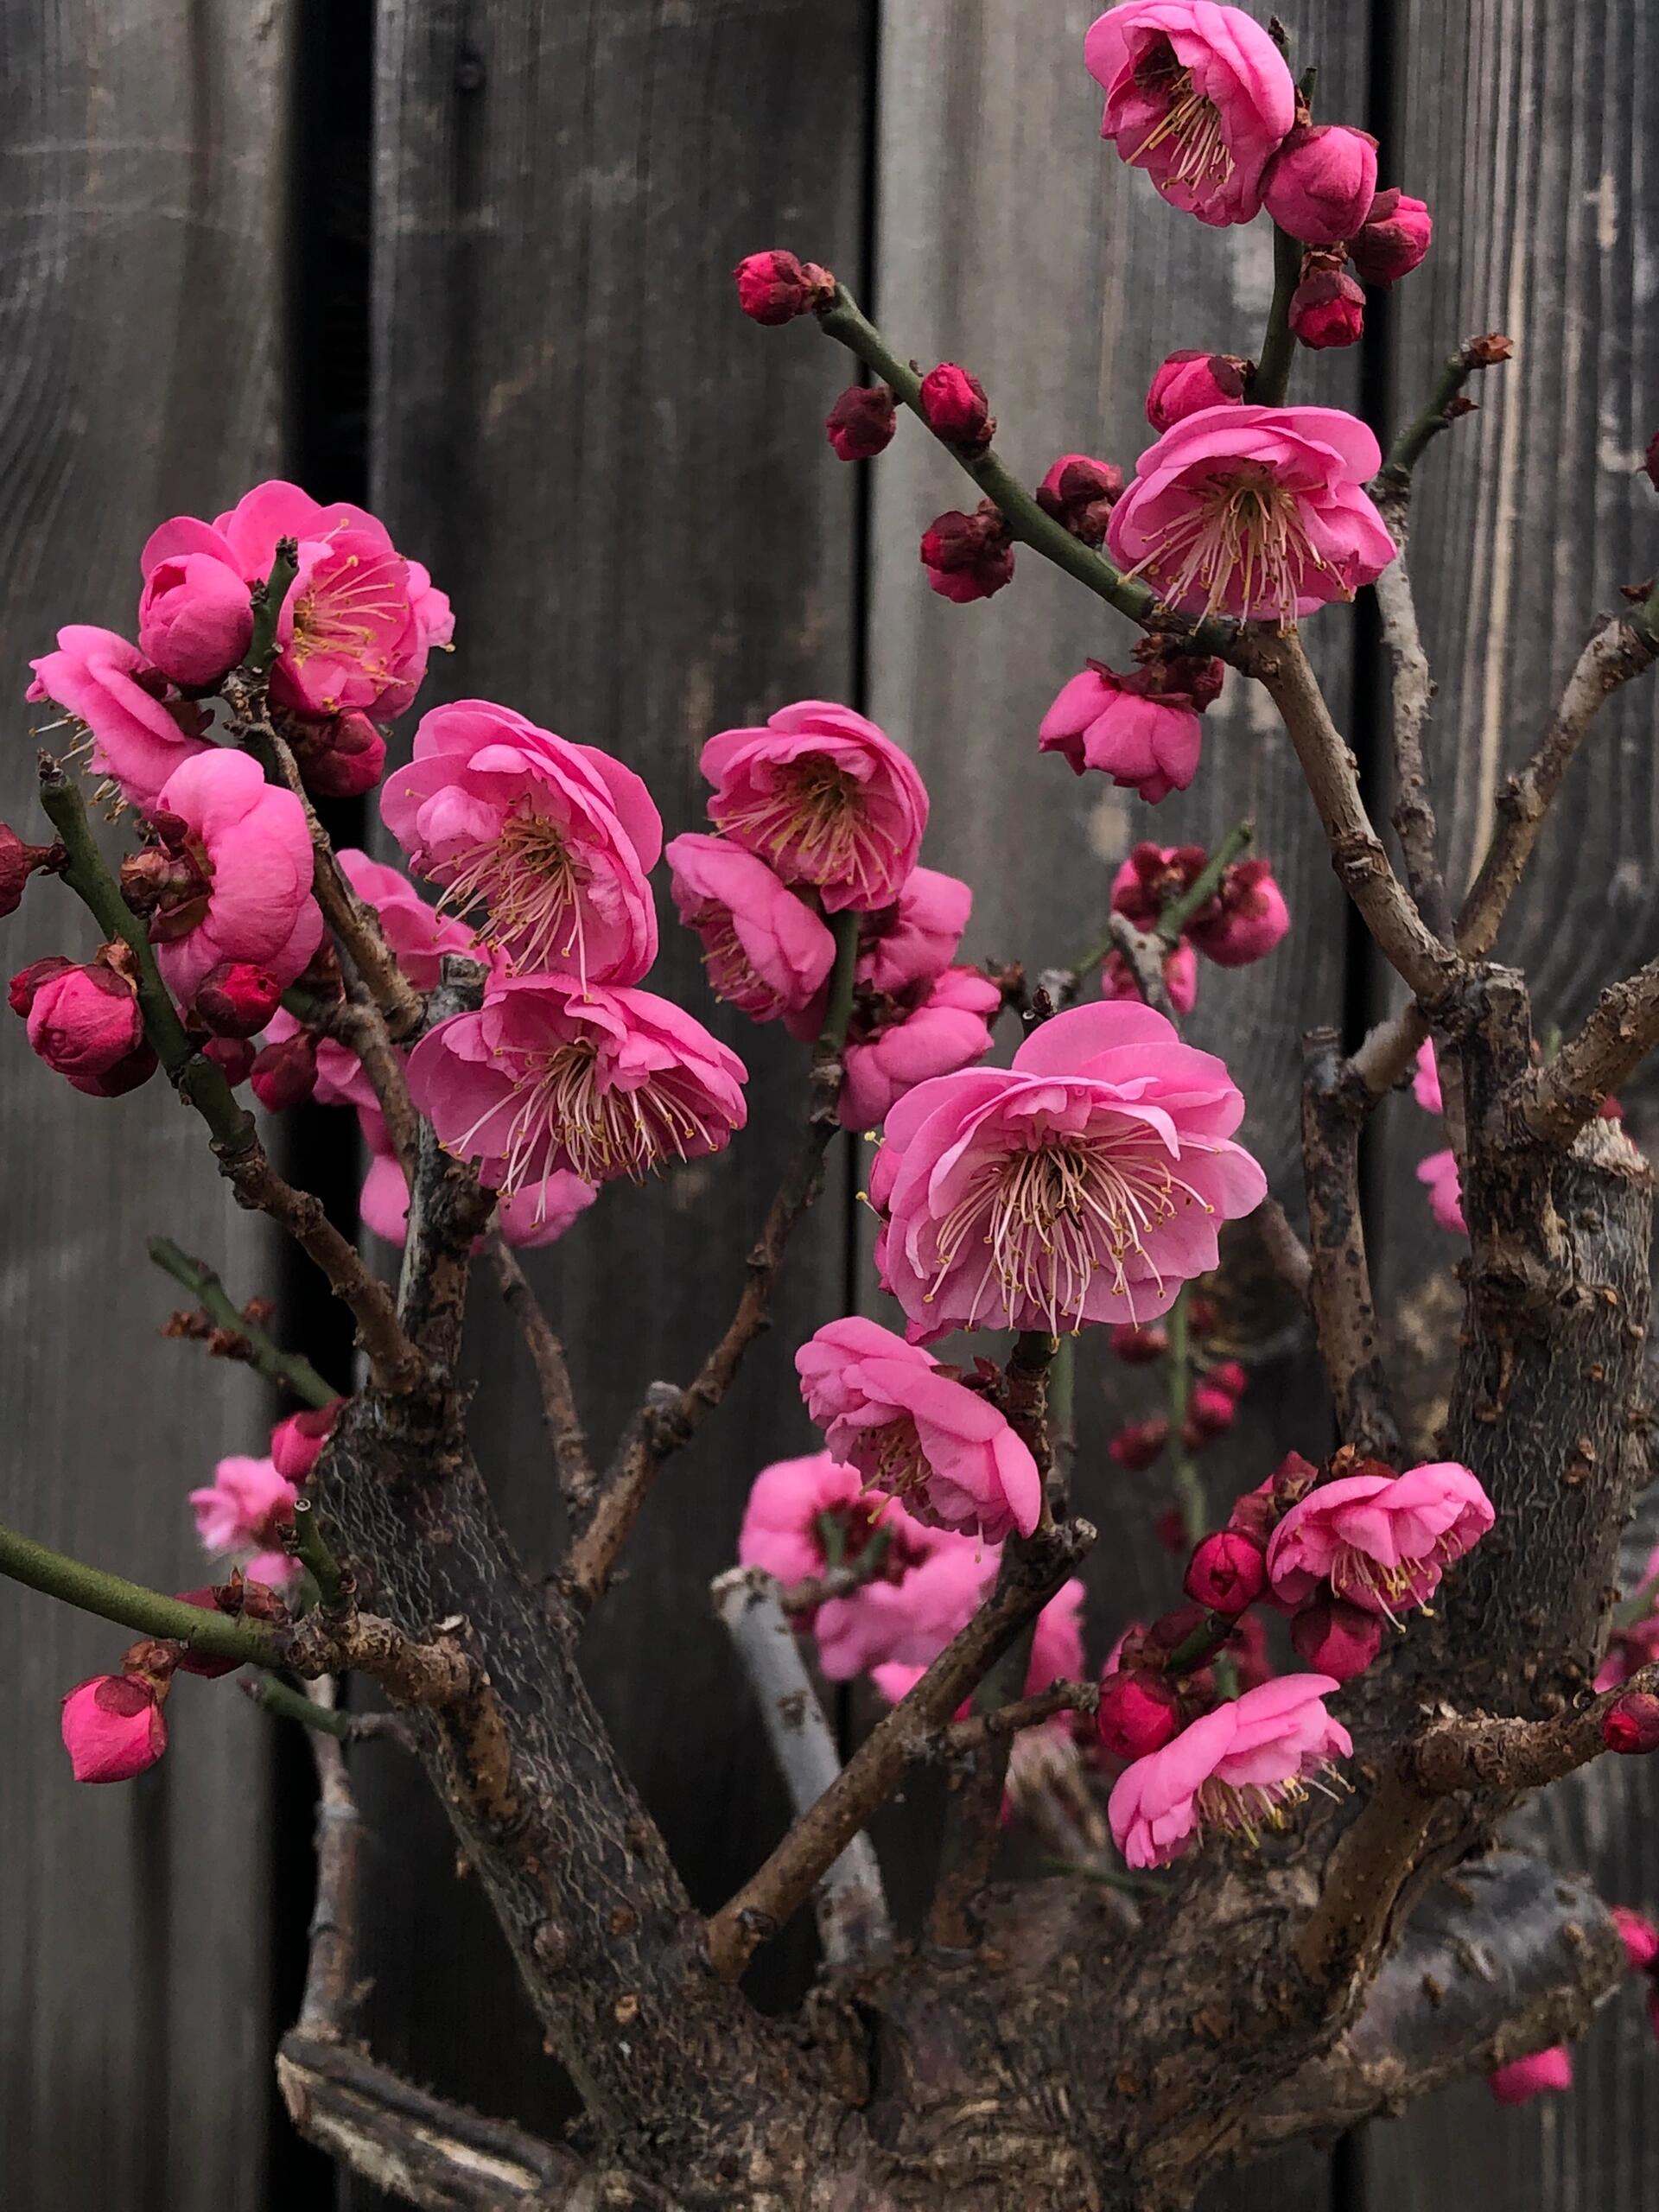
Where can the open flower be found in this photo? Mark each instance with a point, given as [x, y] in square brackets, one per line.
[950, 1455]
[929, 1029]
[602, 1082]
[245, 1510]
[916, 938]
[554, 840]
[1236, 1769]
[764, 950]
[140, 731]
[1259, 512]
[539, 1214]
[1197, 95]
[1439, 1174]
[1086, 1183]
[942, 1596]
[1146, 742]
[1382, 1541]
[416, 931]
[825, 798]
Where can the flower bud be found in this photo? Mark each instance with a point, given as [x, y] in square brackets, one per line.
[1227, 1375]
[1631, 1724]
[954, 408]
[1255, 1513]
[297, 1443]
[861, 422]
[84, 1021]
[1139, 1444]
[285, 1074]
[1335, 1637]
[1245, 920]
[1137, 1347]
[1639, 1936]
[1184, 383]
[1227, 1573]
[1209, 1413]
[1138, 1713]
[233, 1056]
[1327, 308]
[968, 557]
[20, 992]
[1322, 182]
[1117, 978]
[339, 756]
[1292, 1479]
[774, 287]
[113, 1726]
[1079, 493]
[236, 999]
[1395, 235]
[18, 861]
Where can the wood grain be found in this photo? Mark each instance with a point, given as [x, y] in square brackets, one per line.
[143, 164]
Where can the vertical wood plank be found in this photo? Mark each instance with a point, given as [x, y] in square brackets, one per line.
[625, 488]
[143, 275]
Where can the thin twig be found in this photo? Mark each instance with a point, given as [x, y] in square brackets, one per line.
[1345, 1319]
[565, 1432]
[331, 1965]
[1412, 690]
[1285, 1248]
[1272, 379]
[285, 1703]
[291, 1370]
[962, 1737]
[358, 1023]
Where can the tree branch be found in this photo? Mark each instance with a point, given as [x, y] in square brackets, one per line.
[289, 1369]
[331, 1967]
[449, 1208]
[131, 1604]
[1412, 690]
[965, 1736]
[1339, 1286]
[276, 1697]
[1621, 1030]
[562, 1422]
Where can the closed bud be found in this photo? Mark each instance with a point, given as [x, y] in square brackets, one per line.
[1631, 1724]
[1327, 308]
[285, 1074]
[1322, 182]
[1335, 1637]
[20, 992]
[1209, 1413]
[233, 1056]
[968, 557]
[339, 756]
[236, 999]
[1227, 1375]
[1246, 918]
[1395, 235]
[954, 407]
[84, 1021]
[1186, 383]
[1138, 1713]
[774, 287]
[1139, 1444]
[1079, 493]
[1137, 1347]
[1227, 1573]
[18, 861]
[860, 424]
[113, 1727]
[297, 1443]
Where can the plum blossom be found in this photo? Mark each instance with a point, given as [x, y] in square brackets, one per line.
[1147, 741]
[1439, 1176]
[244, 1509]
[1186, 383]
[113, 1726]
[1197, 95]
[946, 1452]
[298, 1442]
[1236, 1768]
[1381, 1541]
[603, 1082]
[1393, 239]
[942, 1595]
[1078, 491]
[85, 1022]
[554, 839]
[928, 1029]
[765, 950]
[825, 798]
[539, 1214]
[141, 731]
[416, 931]
[1117, 978]
[915, 939]
[195, 618]
[1259, 512]
[1086, 1183]
[1322, 182]
[1523, 2079]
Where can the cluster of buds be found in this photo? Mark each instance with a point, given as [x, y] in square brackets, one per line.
[1243, 919]
[969, 556]
[1211, 1402]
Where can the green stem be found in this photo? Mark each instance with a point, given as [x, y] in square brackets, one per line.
[289, 1369]
[289, 1704]
[838, 1010]
[1414, 440]
[316, 1556]
[1178, 913]
[844, 321]
[267, 601]
[86, 871]
[1183, 1469]
[1272, 379]
[129, 1605]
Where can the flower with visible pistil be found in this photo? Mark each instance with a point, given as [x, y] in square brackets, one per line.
[555, 840]
[1381, 1541]
[604, 1082]
[764, 948]
[1086, 1183]
[1258, 513]
[825, 798]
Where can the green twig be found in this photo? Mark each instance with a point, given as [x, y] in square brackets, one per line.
[1178, 913]
[277, 1696]
[268, 602]
[289, 1369]
[1272, 379]
[838, 1008]
[314, 1554]
[131, 1604]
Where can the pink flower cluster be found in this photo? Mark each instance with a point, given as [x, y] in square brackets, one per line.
[1242, 920]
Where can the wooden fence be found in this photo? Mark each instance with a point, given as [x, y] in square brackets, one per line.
[468, 259]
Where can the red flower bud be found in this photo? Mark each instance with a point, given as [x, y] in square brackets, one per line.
[297, 1443]
[954, 407]
[860, 424]
[236, 999]
[1138, 1713]
[1322, 182]
[1139, 1444]
[339, 756]
[1209, 1413]
[233, 1056]
[1327, 308]
[1227, 1573]
[1631, 1723]
[285, 1075]
[84, 1021]
[774, 287]
[1335, 1637]
[113, 1726]
[1184, 383]
[1227, 1375]
[20, 992]
[18, 861]
[1394, 237]
[1139, 1347]
[968, 557]
[1244, 921]
[1080, 493]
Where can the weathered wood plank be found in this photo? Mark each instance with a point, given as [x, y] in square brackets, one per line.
[625, 488]
[143, 267]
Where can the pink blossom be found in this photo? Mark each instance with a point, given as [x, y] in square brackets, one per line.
[1259, 512]
[1327, 308]
[246, 845]
[1523, 2079]
[1426, 1082]
[555, 840]
[1382, 1541]
[356, 626]
[85, 1022]
[1186, 382]
[333, 1072]
[1395, 235]
[823, 796]
[297, 1442]
[1226, 1573]
[942, 1597]
[1197, 95]
[416, 931]
[1639, 1936]
[1321, 182]
[941, 1025]
[1236, 1768]
[246, 1509]
[1439, 1173]
[1245, 920]
[113, 1727]
[915, 939]
[1086, 1183]
[1145, 742]
[195, 619]
[1181, 978]
[140, 733]
[946, 1452]
[539, 1214]
[765, 950]
[603, 1082]
[1630, 1725]
[774, 287]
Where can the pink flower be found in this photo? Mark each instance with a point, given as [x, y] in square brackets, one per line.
[825, 798]
[1185, 384]
[1226, 1573]
[1254, 511]
[774, 287]
[1426, 1082]
[85, 1022]
[1631, 1727]
[245, 844]
[1079, 492]
[554, 839]
[916, 938]
[356, 626]
[246, 1509]
[602, 1082]
[1197, 95]
[284, 1071]
[416, 932]
[942, 1025]
[539, 1214]
[1244, 921]
[1181, 978]
[139, 736]
[1639, 1936]
[1086, 1183]
[1439, 1173]
[946, 1452]
[942, 1597]
[1382, 1541]
[195, 619]
[1523, 2079]
[765, 950]
[1144, 742]
[1395, 235]
[297, 1442]
[1236, 1768]
[113, 1727]
[1056, 1642]
[968, 557]
[1322, 182]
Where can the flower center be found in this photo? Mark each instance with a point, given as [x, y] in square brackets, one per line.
[603, 1130]
[350, 606]
[731, 973]
[1198, 155]
[1240, 541]
[1247, 1810]
[1395, 1589]
[900, 1468]
[816, 821]
[533, 887]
